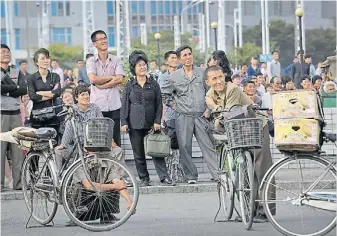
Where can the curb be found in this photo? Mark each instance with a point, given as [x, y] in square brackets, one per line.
[184, 188]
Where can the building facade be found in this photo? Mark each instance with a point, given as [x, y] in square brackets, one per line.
[65, 20]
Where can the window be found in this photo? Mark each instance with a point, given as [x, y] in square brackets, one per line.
[60, 8]
[141, 7]
[62, 35]
[154, 29]
[17, 39]
[110, 7]
[189, 10]
[135, 32]
[249, 8]
[54, 8]
[16, 8]
[3, 36]
[168, 7]
[153, 8]
[201, 7]
[328, 10]
[2, 9]
[277, 8]
[134, 8]
[180, 6]
[174, 7]
[160, 7]
[111, 36]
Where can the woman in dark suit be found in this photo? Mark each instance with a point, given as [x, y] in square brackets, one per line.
[142, 110]
[44, 89]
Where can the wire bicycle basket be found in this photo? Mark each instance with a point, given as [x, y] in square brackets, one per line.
[98, 134]
[244, 133]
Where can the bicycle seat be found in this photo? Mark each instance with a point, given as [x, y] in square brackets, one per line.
[220, 137]
[45, 133]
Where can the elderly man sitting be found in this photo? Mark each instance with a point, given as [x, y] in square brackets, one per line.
[84, 111]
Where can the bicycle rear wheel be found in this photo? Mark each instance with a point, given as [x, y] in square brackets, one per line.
[247, 190]
[226, 187]
[98, 210]
[291, 177]
[37, 187]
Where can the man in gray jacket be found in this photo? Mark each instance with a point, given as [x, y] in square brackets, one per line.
[13, 86]
[185, 92]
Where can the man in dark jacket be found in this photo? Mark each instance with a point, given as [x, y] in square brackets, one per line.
[296, 71]
[13, 86]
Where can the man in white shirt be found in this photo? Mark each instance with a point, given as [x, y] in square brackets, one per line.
[276, 86]
[274, 67]
[56, 69]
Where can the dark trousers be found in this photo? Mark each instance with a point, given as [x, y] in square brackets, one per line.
[137, 143]
[116, 117]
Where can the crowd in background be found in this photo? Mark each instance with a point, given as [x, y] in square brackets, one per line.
[141, 106]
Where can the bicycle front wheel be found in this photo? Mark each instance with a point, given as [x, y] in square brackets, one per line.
[247, 190]
[37, 187]
[97, 209]
[291, 178]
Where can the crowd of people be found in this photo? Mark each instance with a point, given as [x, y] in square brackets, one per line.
[179, 96]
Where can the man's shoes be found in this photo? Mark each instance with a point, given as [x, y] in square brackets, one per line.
[108, 218]
[257, 219]
[144, 182]
[260, 218]
[167, 182]
[192, 181]
[70, 223]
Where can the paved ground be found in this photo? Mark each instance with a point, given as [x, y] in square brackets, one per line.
[158, 214]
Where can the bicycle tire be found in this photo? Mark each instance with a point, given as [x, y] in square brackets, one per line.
[226, 190]
[265, 189]
[247, 214]
[68, 178]
[26, 188]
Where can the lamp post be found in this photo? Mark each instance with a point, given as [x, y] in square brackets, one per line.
[299, 13]
[157, 36]
[214, 26]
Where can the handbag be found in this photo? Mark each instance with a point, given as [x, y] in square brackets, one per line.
[47, 113]
[157, 144]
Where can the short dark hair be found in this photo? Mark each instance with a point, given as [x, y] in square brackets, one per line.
[134, 58]
[22, 61]
[286, 79]
[304, 77]
[182, 48]
[55, 60]
[41, 51]
[212, 68]
[315, 78]
[299, 52]
[79, 60]
[94, 34]
[248, 82]
[81, 89]
[274, 52]
[151, 60]
[88, 56]
[258, 74]
[244, 64]
[168, 54]
[236, 76]
[307, 56]
[5, 46]
[66, 88]
[273, 78]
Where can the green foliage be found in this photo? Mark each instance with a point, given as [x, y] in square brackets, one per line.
[66, 55]
[320, 43]
[167, 44]
[244, 53]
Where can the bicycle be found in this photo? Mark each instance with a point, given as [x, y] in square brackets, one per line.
[83, 206]
[236, 166]
[307, 198]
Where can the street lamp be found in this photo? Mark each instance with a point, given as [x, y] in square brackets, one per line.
[157, 36]
[299, 13]
[214, 26]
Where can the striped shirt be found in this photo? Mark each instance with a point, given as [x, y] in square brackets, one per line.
[170, 113]
[81, 116]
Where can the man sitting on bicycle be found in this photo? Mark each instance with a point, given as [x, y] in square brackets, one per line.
[84, 111]
[225, 95]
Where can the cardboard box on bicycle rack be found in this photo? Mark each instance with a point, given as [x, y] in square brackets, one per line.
[297, 104]
[297, 134]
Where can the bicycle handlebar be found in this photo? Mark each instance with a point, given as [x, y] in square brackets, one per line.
[253, 108]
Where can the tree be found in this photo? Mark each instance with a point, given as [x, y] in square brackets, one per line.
[320, 43]
[243, 54]
[167, 44]
[66, 55]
